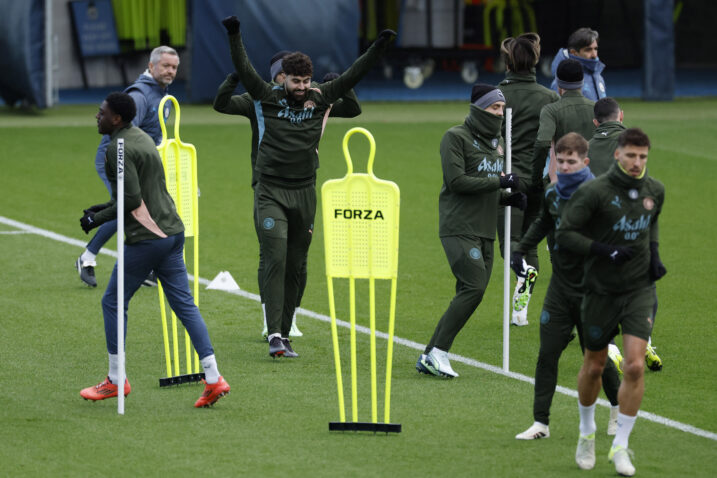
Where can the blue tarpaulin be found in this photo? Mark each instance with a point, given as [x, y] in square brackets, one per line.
[327, 31]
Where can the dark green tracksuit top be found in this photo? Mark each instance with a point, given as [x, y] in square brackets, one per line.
[567, 265]
[572, 112]
[614, 209]
[603, 145]
[289, 133]
[472, 160]
[346, 107]
[526, 97]
[150, 212]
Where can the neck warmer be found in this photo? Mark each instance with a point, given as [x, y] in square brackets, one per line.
[569, 182]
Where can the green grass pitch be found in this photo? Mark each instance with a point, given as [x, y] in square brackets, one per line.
[275, 421]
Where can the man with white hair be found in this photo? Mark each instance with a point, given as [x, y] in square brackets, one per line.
[147, 92]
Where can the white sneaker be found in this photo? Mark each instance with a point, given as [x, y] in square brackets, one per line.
[585, 453]
[437, 363]
[294, 332]
[536, 431]
[612, 422]
[621, 457]
[613, 352]
[519, 318]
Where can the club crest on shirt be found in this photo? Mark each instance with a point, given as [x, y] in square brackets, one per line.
[633, 194]
[494, 142]
[309, 104]
[648, 203]
[500, 150]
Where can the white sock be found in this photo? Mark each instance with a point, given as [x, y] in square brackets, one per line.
[211, 372]
[587, 419]
[649, 341]
[272, 336]
[624, 428]
[293, 318]
[263, 311]
[87, 256]
[114, 368]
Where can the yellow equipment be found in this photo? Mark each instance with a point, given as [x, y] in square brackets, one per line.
[360, 217]
[180, 170]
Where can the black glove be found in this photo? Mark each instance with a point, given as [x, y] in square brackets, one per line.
[657, 268]
[516, 263]
[519, 200]
[384, 38]
[330, 77]
[231, 24]
[509, 181]
[88, 221]
[233, 77]
[537, 188]
[617, 254]
[96, 208]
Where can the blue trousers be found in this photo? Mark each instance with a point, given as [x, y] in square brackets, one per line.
[164, 256]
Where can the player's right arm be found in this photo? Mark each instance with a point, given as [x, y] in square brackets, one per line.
[230, 104]
[347, 106]
[541, 147]
[454, 169]
[248, 76]
[575, 217]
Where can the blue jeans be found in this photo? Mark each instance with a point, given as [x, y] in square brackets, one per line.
[164, 256]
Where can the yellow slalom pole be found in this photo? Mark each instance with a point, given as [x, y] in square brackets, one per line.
[165, 332]
[389, 354]
[372, 325]
[354, 380]
[337, 356]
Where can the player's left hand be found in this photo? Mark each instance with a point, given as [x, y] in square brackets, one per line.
[385, 37]
[231, 24]
[519, 200]
[657, 268]
[517, 263]
[88, 221]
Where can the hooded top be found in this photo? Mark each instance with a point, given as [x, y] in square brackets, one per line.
[594, 84]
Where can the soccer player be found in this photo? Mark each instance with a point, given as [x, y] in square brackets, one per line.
[286, 162]
[154, 241]
[147, 92]
[583, 47]
[572, 112]
[613, 221]
[527, 98]
[473, 183]
[608, 119]
[561, 307]
[346, 107]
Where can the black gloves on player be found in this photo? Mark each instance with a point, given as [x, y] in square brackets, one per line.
[384, 38]
[96, 208]
[509, 181]
[657, 268]
[519, 200]
[516, 263]
[88, 221]
[617, 254]
[231, 24]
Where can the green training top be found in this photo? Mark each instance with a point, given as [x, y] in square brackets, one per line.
[526, 97]
[614, 209]
[472, 161]
[289, 132]
[603, 145]
[150, 212]
[572, 112]
[346, 107]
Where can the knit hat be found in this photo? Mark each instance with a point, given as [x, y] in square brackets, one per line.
[275, 64]
[570, 75]
[483, 95]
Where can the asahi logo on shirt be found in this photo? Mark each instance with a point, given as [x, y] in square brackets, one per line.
[296, 117]
[632, 227]
[491, 166]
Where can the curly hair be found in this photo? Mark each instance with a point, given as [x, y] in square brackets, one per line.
[297, 64]
[122, 104]
[522, 53]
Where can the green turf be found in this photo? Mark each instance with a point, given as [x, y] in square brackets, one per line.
[275, 420]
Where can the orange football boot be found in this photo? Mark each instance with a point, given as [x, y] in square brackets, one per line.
[213, 392]
[105, 389]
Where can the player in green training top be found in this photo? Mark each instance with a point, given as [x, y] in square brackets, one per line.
[613, 221]
[292, 116]
[472, 161]
[561, 307]
[526, 98]
[225, 102]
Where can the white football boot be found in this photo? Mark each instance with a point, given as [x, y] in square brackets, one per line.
[585, 453]
[536, 431]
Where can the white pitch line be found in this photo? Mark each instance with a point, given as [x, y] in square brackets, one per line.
[365, 330]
